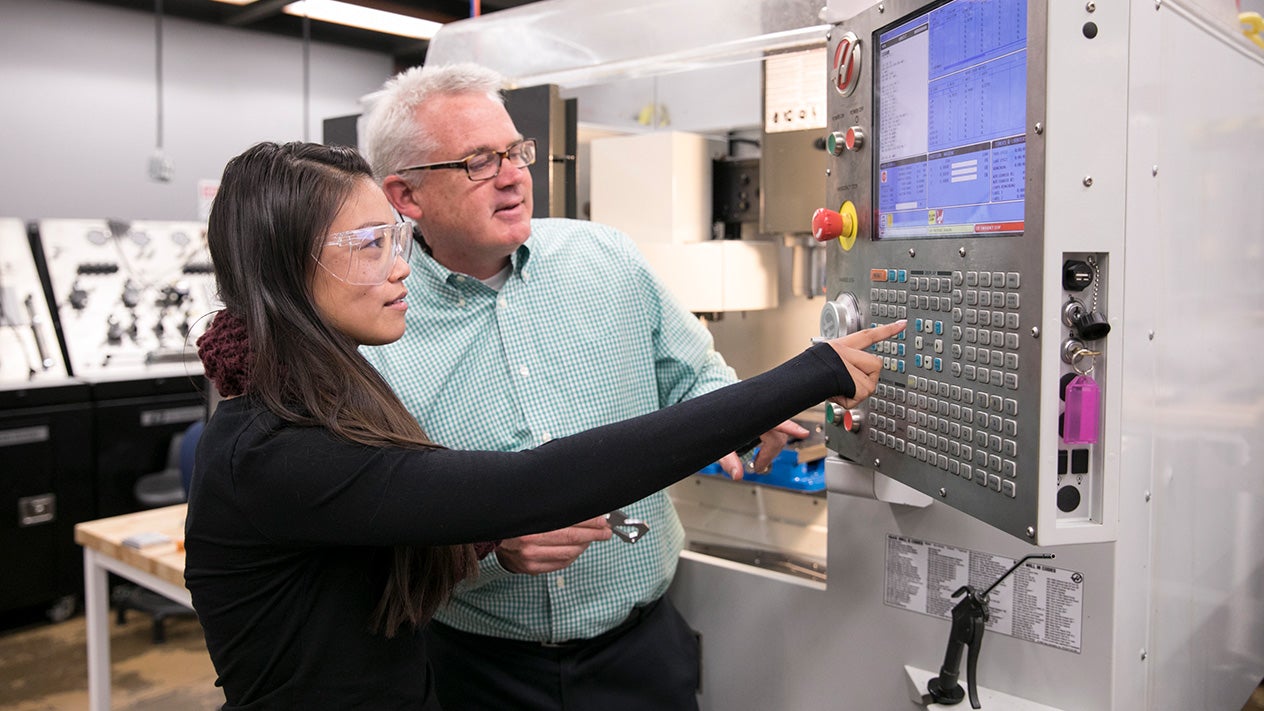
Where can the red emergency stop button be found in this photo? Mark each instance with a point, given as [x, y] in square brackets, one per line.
[827, 225]
[841, 225]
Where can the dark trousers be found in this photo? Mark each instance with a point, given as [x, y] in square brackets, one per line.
[651, 662]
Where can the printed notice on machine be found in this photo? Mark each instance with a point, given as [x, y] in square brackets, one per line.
[1037, 603]
[794, 91]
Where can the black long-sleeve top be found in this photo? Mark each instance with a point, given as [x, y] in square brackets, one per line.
[290, 529]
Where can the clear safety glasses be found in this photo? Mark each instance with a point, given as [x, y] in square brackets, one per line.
[367, 255]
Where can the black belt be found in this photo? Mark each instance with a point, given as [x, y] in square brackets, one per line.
[634, 617]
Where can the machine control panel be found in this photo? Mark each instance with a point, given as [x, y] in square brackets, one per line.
[934, 214]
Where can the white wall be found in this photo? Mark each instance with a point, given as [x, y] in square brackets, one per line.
[78, 105]
[755, 341]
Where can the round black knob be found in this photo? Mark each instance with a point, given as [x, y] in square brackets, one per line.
[1068, 499]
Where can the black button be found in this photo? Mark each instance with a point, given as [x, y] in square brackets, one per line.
[1079, 461]
[1068, 499]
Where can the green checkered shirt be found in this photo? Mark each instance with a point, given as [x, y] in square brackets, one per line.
[582, 334]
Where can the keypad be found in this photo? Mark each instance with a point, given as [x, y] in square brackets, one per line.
[950, 396]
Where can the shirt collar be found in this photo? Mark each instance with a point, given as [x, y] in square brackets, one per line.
[427, 267]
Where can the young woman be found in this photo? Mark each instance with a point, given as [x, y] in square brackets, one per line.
[323, 527]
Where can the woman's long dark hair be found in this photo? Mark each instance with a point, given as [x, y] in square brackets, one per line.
[274, 203]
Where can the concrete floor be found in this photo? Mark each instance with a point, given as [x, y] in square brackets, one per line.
[43, 666]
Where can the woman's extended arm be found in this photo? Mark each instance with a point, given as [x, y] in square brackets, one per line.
[311, 487]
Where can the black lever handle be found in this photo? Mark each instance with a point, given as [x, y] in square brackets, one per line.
[969, 621]
[972, 658]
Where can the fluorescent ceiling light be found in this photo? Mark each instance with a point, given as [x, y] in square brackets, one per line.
[342, 13]
[236, 2]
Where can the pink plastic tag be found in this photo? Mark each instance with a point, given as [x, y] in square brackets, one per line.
[1083, 410]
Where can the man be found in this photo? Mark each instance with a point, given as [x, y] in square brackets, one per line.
[520, 331]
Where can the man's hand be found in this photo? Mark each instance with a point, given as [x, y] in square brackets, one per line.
[547, 552]
[770, 445]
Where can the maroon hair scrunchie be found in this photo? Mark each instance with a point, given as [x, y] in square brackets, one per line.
[225, 352]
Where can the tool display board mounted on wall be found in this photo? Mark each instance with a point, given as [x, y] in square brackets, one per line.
[131, 298]
[29, 353]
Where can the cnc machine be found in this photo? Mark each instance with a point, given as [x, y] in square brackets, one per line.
[1061, 199]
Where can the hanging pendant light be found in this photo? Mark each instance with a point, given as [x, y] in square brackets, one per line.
[160, 168]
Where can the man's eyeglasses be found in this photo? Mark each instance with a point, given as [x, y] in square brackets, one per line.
[367, 255]
[485, 165]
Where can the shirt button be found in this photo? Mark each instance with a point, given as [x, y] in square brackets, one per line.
[503, 303]
[460, 302]
[524, 371]
[561, 582]
[545, 437]
[460, 278]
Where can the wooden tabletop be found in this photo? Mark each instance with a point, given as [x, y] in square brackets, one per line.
[163, 560]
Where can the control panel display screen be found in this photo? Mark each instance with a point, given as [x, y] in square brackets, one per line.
[950, 116]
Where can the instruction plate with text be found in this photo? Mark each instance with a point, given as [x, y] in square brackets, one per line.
[1037, 603]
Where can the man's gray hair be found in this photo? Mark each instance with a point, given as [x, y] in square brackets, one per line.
[392, 137]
